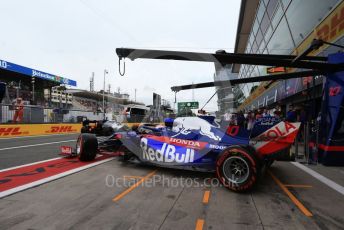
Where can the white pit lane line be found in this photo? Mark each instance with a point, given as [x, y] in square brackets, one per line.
[320, 177]
[27, 146]
[51, 178]
[37, 162]
[45, 135]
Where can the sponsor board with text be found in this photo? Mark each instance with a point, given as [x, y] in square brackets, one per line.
[19, 130]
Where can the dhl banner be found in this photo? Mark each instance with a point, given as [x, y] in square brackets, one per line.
[19, 130]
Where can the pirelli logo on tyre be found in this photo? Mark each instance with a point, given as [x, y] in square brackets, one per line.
[62, 129]
[12, 131]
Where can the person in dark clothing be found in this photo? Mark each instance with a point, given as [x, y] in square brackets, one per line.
[291, 114]
[277, 114]
[303, 120]
[258, 114]
[241, 119]
[250, 120]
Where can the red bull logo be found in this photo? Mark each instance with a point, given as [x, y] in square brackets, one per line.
[167, 153]
[186, 125]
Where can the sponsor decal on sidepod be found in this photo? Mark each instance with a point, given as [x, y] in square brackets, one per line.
[185, 125]
[167, 153]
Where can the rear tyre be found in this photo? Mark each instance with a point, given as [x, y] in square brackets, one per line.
[87, 147]
[237, 169]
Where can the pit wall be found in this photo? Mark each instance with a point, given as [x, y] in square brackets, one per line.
[22, 130]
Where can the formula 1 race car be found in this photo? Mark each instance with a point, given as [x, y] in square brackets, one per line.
[193, 143]
[102, 127]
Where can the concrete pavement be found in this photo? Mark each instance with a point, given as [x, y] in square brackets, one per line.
[32, 149]
[165, 198]
[85, 201]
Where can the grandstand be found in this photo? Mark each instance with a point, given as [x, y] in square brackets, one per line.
[92, 101]
[32, 85]
[46, 98]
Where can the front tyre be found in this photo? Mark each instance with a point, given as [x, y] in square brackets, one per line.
[87, 147]
[237, 169]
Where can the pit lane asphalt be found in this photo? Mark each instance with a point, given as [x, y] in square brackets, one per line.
[32, 149]
[85, 200]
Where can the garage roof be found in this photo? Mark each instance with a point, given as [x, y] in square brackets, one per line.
[246, 17]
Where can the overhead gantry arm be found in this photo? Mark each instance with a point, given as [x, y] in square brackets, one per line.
[315, 65]
[247, 80]
[307, 62]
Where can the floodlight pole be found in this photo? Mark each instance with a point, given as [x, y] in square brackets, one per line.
[135, 95]
[33, 89]
[105, 72]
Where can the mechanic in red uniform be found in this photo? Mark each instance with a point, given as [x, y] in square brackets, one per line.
[19, 111]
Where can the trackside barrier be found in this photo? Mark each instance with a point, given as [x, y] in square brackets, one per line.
[37, 114]
[20, 130]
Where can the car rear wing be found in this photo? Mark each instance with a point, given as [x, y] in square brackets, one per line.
[275, 137]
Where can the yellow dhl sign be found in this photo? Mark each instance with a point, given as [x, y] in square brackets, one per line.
[18, 130]
[330, 29]
[21, 130]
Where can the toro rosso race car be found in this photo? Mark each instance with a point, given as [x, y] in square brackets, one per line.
[102, 127]
[194, 143]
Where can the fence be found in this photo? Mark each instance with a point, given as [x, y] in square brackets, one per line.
[38, 114]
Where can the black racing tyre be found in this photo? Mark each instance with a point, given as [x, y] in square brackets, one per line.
[83, 129]
[87, 147]
[237, 168]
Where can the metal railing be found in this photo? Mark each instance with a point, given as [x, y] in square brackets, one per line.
[31, 114]
[37, 114]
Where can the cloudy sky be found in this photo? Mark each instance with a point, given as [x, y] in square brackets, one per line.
[73, 38]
